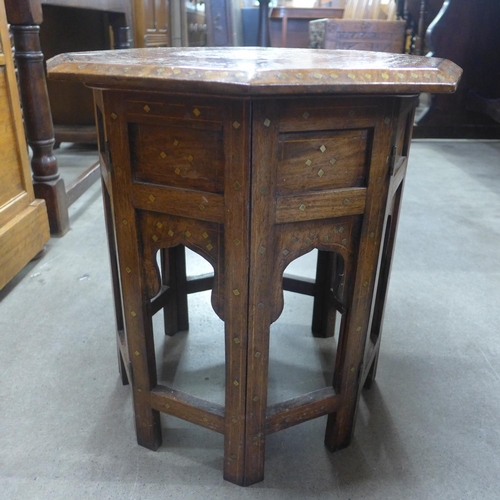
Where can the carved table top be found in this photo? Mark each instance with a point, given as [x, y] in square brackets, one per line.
[258, 71]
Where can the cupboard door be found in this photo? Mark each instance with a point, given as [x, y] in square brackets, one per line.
[24, 227]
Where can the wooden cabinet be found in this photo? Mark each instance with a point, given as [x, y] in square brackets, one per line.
[151, 23]
[24, 227]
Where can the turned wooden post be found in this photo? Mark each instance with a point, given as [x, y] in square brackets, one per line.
[25, 17]
[263, 37]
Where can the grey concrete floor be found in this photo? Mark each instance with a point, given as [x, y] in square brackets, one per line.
[428, 429]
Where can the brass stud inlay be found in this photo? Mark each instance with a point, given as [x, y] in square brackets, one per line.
[299, 76]
[163, 154]
[285, 252]
[201, 207]
[341, 229]
[177, 71]
[187, 234]
[308, 241]
[294, 239]
[321, 173]
[344, 241]
[236, 125]
[133, 314]
[333, 161]
[260, 305]
[358, 329]
[387, 121]
[302, 207]
[128, 270]
[147, 108]
[262, 190]
[151, 197]
[167, 406]
[154, 237]
[114, 116]
[205, 235]
[177, 170]
[322, 148]
[236, 383]
[308, 162]
[385, 76]
[372, 234]
[159, 225]
[319, 76]
[255, 398]
[176, 142]
[236, 292]
[326, 237]
[137, 353]
[346, 201]
[209, 247]
[352, 76]
[237, 185]
[379, 180]
[262, 250]
[306, 115]
[139, 390]
[257, 354]
[287, 420]
[401, 76]
[170, 233]
[190, 158]
[334, 76]
[365, 283]
[368, 75]
[236, 241]
[414, 75]
[352, 368]
[196, 112]
[205, 419]
[267, 122]
[124, 222]
[235, 420]
[236, 340]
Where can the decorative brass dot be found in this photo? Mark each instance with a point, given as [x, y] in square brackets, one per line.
[151, 197]
[235, 421]
[159, 225]
[333, 161]
[205, 419]
[262, 190]
[236, 340]
[163, 154]
[401, 76]
[128, 270]
[167, 406]
[205, 235]
[139, 390]
[294, 239]
[154, 237]
[133, 314]
[308, 162]
[352, 368]
[257, 354]
[379, 180]
[255, 398]
[267, 122]
[326, 237]
[190, 158]
[334, 76]
[346, 201]
[170, 233]
[368, 75]
[233, 457]
[147, 108]
[352, 76]
[187, 234]
[236, 383]
[319, 76]
[177, 170]
[308, 241]
[365, 283]
[285, 252]
[236, 125]
[299, 76]
[196, 112]
[236, 292]
[262, 250]
[306, 115]
[137, 353]
[287, 420]
[302, 207]
[385, 76]
[260, 305]
[176, 142]
[236, 241]
[125, 222]
[387, 121]
[209, 247]
[372, 234]
[237, 186]
[321, 173]
[344, 241]
[322, 148]
[201, 207]
[114, 116]
[358, 329]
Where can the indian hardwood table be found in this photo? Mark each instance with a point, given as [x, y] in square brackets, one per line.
[253, 157]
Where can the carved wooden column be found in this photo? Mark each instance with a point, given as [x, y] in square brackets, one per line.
[25, 17]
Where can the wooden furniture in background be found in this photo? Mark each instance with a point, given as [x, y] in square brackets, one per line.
[316, 143]
[151, 23]
[24, 227]
[289, 27]
[379, 36]
[467, 33]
